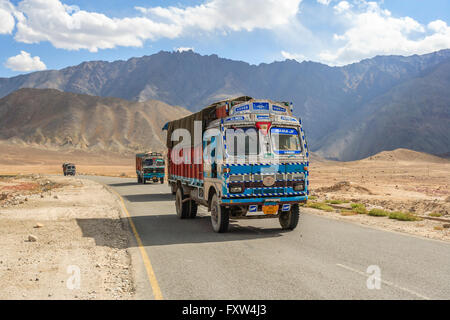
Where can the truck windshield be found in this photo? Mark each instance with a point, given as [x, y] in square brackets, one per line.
[148, 162]
[242, 141]
[285, 141]
[159, 162]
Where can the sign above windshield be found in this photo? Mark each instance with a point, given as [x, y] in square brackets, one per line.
[260, 107]
[284, 131]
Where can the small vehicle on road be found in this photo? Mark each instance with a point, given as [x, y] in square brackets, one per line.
[150, 166]
[69, 169]
[239, 158]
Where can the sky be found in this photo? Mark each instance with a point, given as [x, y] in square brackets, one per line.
[52, 34]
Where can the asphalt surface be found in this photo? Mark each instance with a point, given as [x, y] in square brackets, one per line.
[321, 259]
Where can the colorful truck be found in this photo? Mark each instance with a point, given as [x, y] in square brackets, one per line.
[242, 158]
[150, 166]
[69, 169]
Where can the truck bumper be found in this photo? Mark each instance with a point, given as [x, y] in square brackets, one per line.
[153, 175]
[260, 201]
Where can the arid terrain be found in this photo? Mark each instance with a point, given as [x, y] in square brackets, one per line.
[412, 183]
[62, 238]
[396, 180]
[50, 223]
[17, 159]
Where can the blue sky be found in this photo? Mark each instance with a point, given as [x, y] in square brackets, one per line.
[53, 34]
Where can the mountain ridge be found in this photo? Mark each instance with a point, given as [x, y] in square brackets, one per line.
[53, 118]
[330, 100]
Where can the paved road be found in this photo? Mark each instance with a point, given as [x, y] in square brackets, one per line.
[321, 259]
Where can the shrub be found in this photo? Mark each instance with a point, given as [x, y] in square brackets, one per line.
[312, 197]
[320, 206]
[359, 208]
[435, 214]
[378, 213]
[403, 216]
[334, 201]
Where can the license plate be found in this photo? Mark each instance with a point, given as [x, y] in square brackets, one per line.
[270, 209]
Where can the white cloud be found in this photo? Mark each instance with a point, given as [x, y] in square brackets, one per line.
[374, 31]
[225, 15]
[438, 26]
[25, 62]
[293, 56]
[183, 49]
[68, 27]
[324, 2]
[7, 21]
[342, 7]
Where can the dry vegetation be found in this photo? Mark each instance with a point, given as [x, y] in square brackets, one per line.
[399, 190]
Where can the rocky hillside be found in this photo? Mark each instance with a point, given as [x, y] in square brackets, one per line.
[53, 118]
[332, 101]
[414, 115]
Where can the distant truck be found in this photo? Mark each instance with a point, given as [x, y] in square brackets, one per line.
[251, 157]
[150, 166]
[69, 169]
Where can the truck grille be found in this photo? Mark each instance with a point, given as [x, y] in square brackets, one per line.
[154, 170]
[267, 191]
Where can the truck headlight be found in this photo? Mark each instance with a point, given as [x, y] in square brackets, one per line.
[299, 186]
[236, 189]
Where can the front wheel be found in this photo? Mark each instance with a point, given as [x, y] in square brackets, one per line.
[181, 207]
[193, 208]
[289, 220]
[161, 180]
[220, 216]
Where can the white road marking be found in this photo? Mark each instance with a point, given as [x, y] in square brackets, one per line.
[388, 283]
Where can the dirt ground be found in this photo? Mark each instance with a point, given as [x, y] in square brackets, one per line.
[399, 180]
[62, 238]
[16, 159]
[402, 180]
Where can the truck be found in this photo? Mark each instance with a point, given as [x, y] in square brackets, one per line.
[150, 166]
[69, 169]
[241, 158]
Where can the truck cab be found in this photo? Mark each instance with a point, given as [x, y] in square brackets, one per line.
[150, 166]
[69, 169]
[254, 165]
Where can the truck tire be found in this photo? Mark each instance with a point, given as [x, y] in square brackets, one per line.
[162, 180]
[173, 188]
[181, 207]
[220, 216]
[144, 181]
[289, 220]
[193, 208]
[138, 179]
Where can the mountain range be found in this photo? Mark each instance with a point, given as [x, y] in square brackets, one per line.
[51, 118]
[348, 112]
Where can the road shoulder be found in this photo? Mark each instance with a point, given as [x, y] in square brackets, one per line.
[66, 242]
